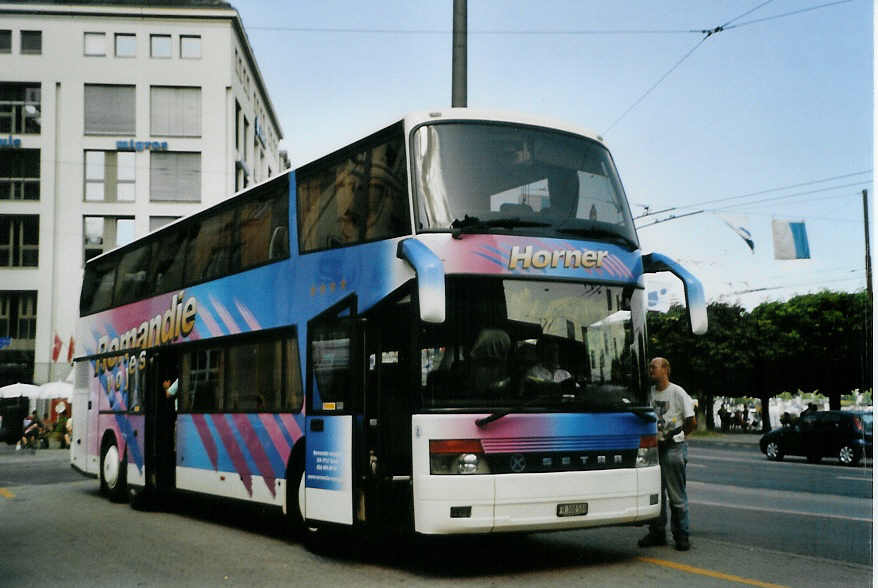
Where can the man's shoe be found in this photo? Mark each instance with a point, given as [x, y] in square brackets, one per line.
[652, 540]
[682, 545]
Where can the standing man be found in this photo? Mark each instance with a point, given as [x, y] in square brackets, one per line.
[676, 419]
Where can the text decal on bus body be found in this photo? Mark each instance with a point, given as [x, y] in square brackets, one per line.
[542, 258]
[177, 321]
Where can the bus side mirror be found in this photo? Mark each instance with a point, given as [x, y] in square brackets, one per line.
[431, 279]
[695, 302]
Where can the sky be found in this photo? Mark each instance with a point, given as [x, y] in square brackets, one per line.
[772, 100]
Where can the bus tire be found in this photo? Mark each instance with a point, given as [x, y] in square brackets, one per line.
[139, 498]
[113, 471]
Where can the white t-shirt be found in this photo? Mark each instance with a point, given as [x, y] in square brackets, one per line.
[672, 407]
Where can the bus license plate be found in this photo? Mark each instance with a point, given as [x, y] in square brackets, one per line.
[572, 509]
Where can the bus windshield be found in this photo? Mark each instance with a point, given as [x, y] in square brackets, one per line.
[490, 177]
[533, 344]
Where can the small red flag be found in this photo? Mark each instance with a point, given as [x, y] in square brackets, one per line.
[70, 348]
[56, 347]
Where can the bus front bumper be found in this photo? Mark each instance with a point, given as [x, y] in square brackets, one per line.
[530, 502]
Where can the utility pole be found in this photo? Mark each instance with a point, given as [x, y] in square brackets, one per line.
[458, 56]
[868, 256]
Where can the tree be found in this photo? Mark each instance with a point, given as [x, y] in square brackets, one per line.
[716, 363]
[813, 342]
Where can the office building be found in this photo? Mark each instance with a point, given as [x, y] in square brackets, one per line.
[116, 117]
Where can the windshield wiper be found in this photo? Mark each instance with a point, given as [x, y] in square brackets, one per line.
[471, 224]
[645, 413]
[562, 395]
[593, 231]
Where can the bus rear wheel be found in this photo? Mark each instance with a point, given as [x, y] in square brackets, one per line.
[113, 472]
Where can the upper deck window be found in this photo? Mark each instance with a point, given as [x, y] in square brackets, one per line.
[355, 195]
[485, 177]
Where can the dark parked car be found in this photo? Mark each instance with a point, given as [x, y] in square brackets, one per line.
[819, 434]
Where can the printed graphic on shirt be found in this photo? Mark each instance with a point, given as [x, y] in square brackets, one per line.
[661, 409]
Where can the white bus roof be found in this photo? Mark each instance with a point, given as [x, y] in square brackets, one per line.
[414, 118]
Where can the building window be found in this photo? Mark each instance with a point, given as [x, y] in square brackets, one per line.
[19, 240]
[20, 174]
[109, 176]
[109, 110]
[157, 222]
[18, 314]
[190, 46]
[160, 46]
[175, 111]
[126, 45]
[102, 233]
[95, 44]
[5, 41]
[174, 176]
[32, 42]
[20, 109]
[237, 125]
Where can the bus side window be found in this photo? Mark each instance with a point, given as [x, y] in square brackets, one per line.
[358, 195]
[166, 272]
[330, 366]
[213, 250]
[203, 380]
[132, 276]
[97, 289]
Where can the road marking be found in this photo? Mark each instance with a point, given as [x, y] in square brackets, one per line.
[6, 493]
[781, 511]
[695, 465]
[852, 478]
[709, 573]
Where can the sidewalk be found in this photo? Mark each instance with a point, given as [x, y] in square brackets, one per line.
[710, 437]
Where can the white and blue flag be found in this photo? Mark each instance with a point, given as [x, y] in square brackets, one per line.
[790, 240]
[739, 224]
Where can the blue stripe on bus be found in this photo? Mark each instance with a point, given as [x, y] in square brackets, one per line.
[277, 464]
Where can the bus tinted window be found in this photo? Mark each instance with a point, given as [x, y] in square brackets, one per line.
[246, 232]
[251, 376]
[263, 223]
[97, 286]
[213, 251]
[203, 380]
[166, 273]
[132, 277]
[358, 196]
[330, 366]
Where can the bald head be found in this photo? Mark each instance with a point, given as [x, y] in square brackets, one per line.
[660, 372]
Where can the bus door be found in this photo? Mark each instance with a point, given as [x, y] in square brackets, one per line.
[334, 388]
[159, 434]
[385, 453]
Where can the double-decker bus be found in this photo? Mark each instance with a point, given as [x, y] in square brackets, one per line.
[438, 328]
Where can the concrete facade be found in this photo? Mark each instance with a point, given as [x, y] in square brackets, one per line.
[201, 119]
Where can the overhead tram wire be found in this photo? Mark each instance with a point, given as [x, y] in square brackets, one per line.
[730, 207]
[573, 32]
[709, 33]
[785, 14]
[760, 192]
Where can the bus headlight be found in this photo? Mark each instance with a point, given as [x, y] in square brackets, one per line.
[457, 456]
[647, 453]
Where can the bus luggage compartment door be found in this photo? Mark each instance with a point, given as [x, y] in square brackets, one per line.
[328, 471]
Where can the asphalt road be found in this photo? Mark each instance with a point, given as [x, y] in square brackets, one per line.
[822, 510]
[754, 522]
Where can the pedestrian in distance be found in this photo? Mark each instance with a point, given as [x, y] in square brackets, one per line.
[676, 419]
